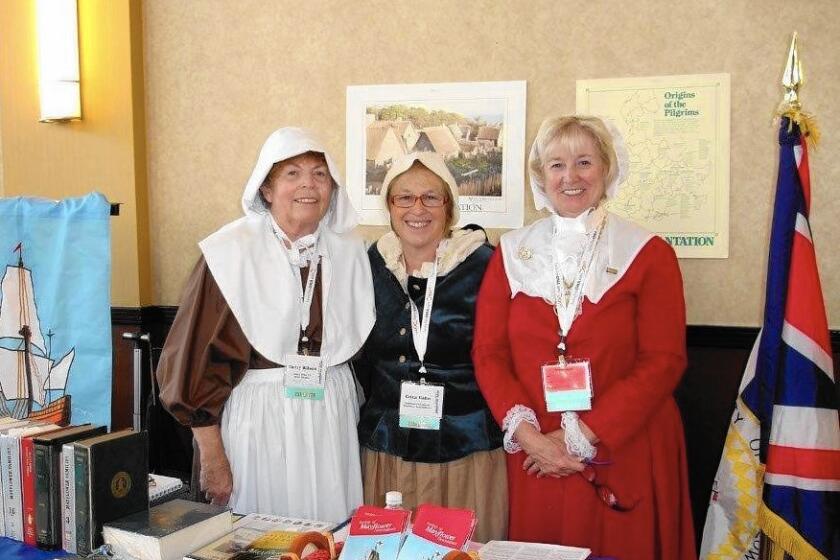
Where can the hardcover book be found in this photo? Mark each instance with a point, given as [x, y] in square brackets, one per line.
[167, 531]
[253, 527]
[28, 486]
[11, 476]
[437, 531]
[6, 424]
[375, 533]
[112, 481]
[68, 497]
[48, 480]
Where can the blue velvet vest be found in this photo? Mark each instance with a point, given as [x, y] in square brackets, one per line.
[388, 358]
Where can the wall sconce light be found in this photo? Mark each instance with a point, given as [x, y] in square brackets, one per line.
[58, 60]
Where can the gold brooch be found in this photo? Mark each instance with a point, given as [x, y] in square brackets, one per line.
[525, 253]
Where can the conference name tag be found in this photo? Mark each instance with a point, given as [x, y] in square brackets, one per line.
[421, 405]
[567, 385]
[304, 377]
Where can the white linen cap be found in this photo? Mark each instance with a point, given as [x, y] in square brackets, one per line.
[287, 143]
[431, 161]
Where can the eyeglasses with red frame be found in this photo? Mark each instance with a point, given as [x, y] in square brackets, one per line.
[604, 492]
[429, 200]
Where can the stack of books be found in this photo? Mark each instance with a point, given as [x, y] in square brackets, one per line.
[60, 484]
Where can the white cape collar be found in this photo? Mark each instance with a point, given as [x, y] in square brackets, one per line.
[528, 256]
[460, 245]
[261, 287]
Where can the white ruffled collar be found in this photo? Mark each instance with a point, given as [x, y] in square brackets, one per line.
[529, 255]
[301, 251]
[585, 222]
[455, 250]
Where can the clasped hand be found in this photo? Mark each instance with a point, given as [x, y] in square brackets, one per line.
[546, 453]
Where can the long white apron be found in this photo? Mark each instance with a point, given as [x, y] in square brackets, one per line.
[293, 457]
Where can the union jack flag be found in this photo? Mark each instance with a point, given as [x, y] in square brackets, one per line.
[780, 470]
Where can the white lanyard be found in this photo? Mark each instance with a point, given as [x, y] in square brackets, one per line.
[307, 294]
[566, 314]
[420, 329]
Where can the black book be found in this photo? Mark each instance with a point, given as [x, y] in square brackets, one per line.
[48, 480]
[112, 481]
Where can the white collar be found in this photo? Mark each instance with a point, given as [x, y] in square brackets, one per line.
[583, 223]
[528, 256]
[460, 245]
[260, 286]
[302, 250]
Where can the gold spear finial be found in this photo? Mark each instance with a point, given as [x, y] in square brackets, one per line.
[792, 80]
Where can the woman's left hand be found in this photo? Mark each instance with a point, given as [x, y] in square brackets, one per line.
[551, 458]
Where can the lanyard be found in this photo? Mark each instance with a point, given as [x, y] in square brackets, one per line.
[420, 329]
[307, 294]
[296, 260]
[567, 313]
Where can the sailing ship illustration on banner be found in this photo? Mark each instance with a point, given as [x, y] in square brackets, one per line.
[29, 376]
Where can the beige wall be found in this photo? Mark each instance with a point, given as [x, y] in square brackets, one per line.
[104, 151]
[220, 76]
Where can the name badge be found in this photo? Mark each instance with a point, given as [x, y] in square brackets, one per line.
[421, 405]
[304, 377]
[567, 386]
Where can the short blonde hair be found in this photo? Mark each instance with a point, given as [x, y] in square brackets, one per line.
[569, 130]
[449, 205]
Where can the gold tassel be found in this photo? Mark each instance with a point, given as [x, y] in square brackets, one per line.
[776, 552]
[785, 538]
[806, 121]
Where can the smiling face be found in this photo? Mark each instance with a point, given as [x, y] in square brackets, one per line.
[574, 174]
[297, 192]
[420, 228]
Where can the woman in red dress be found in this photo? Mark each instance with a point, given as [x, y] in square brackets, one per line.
[584, 294]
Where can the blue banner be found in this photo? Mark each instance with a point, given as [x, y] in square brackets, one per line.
[55, 309]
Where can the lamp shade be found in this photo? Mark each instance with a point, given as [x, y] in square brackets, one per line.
[58, 60]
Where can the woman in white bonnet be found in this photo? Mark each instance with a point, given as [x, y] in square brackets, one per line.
[579, 344]
[426, 277]
[256, 360]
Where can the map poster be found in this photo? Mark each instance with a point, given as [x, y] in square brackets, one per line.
[478, 128]
[677, 133]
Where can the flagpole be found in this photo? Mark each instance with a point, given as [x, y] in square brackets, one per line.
[790, 107]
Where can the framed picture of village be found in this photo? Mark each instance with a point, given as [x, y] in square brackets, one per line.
[478, 128]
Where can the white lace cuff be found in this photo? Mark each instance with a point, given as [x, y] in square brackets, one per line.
[576, 442]
[515, 416]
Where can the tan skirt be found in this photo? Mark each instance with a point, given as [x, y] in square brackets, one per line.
[477, 482]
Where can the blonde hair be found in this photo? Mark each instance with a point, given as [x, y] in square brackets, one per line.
[569, 130]
[450, 202]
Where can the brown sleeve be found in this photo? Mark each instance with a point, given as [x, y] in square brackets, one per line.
[205, 354]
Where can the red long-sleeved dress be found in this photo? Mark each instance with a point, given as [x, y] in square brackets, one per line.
[635, 339]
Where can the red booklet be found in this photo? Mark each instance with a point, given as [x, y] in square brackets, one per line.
[438, 530]
[375, 530]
